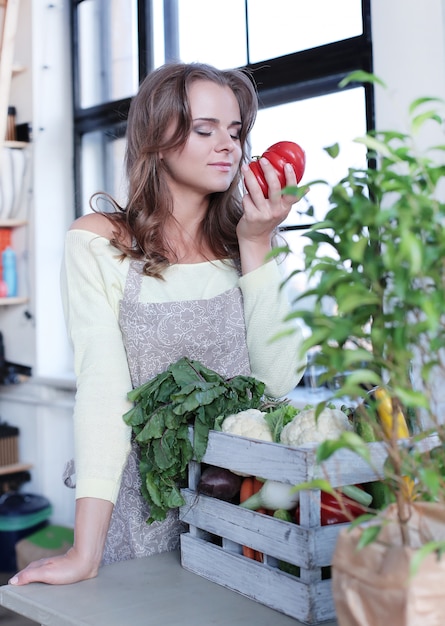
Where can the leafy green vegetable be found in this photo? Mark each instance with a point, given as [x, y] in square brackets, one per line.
[186, 394]
[279, 417]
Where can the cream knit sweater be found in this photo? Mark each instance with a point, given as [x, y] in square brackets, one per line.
[92, 284]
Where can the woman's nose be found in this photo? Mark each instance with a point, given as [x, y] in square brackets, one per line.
[225, 143]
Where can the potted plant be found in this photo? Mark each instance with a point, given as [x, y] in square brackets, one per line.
[378, 257]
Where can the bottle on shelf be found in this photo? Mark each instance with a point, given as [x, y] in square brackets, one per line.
[10, 126]
[9, 271]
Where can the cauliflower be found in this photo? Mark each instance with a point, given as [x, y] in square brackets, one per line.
[304, 428]
[249, 423]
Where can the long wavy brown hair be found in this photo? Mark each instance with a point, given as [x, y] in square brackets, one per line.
[162, 102]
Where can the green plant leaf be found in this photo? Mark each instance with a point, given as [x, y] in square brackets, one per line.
[419, 120]
[421, 553]
[377, 146]
[360, 76]
[415, 104]
[369, 535]
[333, 150]
[317, 483]
[347, 440]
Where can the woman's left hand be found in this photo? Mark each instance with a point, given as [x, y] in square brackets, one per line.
[262, 216]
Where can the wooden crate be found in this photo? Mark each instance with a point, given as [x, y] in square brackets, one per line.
[217, 530]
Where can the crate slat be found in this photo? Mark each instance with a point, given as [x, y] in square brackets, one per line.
[305, 547]
[310, 604]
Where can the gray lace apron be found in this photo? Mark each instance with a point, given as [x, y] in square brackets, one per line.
[155, 335]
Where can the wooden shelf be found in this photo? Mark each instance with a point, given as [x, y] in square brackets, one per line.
[12, 223]
[16, 145]
[13, 300]
[13, 469]
[18, 69]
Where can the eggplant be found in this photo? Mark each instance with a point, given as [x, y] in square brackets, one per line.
[220, 483]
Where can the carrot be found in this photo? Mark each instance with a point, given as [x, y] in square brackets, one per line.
[257, 484]
[249, 486]
[246, 489]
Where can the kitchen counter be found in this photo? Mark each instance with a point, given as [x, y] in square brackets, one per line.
[153, 591]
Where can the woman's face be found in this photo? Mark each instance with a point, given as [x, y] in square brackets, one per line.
[209, 160]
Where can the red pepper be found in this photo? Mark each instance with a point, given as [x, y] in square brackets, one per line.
[331, 511]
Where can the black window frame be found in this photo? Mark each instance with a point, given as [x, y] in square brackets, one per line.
[297, 76]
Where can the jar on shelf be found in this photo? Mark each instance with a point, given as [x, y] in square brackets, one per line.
[10, 126]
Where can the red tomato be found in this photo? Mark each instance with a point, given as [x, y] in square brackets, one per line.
[278, 155]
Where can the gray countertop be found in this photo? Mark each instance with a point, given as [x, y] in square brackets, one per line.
[150, 591]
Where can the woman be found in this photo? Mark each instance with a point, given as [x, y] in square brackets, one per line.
[180, 271]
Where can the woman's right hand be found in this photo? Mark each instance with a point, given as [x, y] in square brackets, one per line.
[83, 560]
[58, 570]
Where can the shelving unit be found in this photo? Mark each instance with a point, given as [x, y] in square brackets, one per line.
[12, 223]
[16, 145]
[9, 12]
[9, 23]
[14, 468]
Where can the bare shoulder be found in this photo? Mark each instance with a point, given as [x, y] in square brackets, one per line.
[95, 223]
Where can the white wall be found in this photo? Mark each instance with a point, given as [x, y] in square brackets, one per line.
[408, 56]
[53, 180]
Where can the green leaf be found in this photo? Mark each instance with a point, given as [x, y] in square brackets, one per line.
[317, 483]
[362, 377]
[153, 429]
[162, 453]
[347, 440]
[134, 416]
[360, 76]
[356, 298]
[333, 150]
[298, 192]
[421, 553]
[173, 498]
[362, 519]
[152, 486]
[368, 535]
[419, 120]
[374, 144]
[415, 104]
[278, 418]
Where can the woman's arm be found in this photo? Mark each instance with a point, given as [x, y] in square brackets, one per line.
[82, 561]
[277, 362]
[262, 216]
[92, 283]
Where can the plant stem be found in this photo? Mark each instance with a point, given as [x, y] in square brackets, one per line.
[403, 514]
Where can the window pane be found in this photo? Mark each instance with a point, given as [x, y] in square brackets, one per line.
[315, 124]
[287, 26]
[212, 32]
[102, 167]
[108, 64]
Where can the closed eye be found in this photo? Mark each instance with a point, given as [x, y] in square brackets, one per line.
[206, 126]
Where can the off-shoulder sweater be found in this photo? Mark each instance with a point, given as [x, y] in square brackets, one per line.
[92, 285]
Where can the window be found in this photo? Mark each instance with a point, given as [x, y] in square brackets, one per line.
[297, 60]
[107, 61]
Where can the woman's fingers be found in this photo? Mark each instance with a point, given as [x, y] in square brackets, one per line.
[59, 570]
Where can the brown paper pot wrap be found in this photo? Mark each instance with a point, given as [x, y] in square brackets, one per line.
[373, 586]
